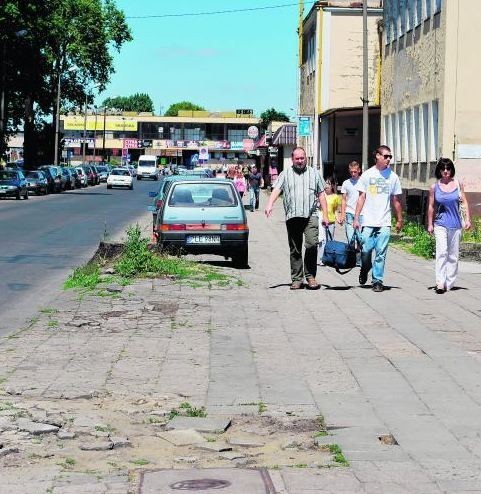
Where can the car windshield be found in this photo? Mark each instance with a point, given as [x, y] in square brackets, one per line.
[102, 168]
[120, 172]
[202, 195]
[147, 163]
[33, 175]
[7, 175]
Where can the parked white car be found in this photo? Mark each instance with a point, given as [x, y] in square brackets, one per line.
[120, 177]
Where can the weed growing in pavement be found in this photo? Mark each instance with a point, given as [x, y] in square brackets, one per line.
[53, 323]
[49, 310]
[321, 434]
[67, 463]
[7, 405]
[187, 410]
[139, 461]
[85, 277]
[139, 261]
[339, 457]
[105, 428]
[261, 407]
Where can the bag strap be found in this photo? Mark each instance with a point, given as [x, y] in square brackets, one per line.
[328, 233]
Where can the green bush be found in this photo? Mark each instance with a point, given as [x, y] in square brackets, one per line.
[474, 234]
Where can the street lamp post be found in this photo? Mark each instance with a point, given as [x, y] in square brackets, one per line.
[103, 136]
[57, 114]
[84, 144]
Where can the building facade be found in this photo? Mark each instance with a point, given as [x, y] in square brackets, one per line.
[331, 81]
[429, 97]
[180, 140]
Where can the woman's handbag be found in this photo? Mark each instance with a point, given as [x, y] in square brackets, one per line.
[341, 255]
[462, 208]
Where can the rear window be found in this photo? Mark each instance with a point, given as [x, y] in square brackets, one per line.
[147, 162]
[120, 172]
[202, 195]
[6, 175]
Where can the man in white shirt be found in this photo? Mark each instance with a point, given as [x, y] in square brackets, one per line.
[378, 187]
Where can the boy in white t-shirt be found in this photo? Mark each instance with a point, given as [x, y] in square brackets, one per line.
[350, 195]
[378, 187]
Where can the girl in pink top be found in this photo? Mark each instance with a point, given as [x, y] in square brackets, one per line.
[240, 183]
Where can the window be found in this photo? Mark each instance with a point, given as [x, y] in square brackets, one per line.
[418, 14]
[437, 4]
[434, 139]
[416, 136]
[387, 137]
[193, 132]
[425, 132]
[392, 122]
[409, 136]
[402, 137]
[409, 14]
[397, 139]
[236, 134]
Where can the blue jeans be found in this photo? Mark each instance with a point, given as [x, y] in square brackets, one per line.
[375, 238]
[254, 197]
[348, 225]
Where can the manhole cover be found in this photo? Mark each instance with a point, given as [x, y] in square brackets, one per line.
[208, 481]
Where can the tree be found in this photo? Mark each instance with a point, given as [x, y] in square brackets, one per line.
[173, 110]
[60, 34]
[138, 102]
[272, 115]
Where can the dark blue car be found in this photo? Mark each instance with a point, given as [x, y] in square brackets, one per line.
[13, 184]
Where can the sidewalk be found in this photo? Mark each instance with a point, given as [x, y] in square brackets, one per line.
[403, 365]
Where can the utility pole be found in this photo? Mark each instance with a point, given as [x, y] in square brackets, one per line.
[365, 89]
[103, 136]
[85, 130]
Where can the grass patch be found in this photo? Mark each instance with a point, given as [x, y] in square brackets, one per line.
[416, 240]
[48, 310]
[339, 457]
[320, 434]
[261, 407]
[474, 234]
[139, 461]
[187, 410]
[139, 261]
[53, 323]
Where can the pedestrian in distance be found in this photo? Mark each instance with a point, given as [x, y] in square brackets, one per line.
[379, 188]
[333, 215]
[349, 197]
[446, 201]
[240, 183]
[254, 185]
[303, 190]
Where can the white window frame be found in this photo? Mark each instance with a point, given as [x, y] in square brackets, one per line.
[416, 134]
[425, 132]
[434, 130]
[409, 135]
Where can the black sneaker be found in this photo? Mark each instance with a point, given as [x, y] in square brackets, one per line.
[377, 287]
[362, 277]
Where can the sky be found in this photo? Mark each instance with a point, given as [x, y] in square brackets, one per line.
[223, 62]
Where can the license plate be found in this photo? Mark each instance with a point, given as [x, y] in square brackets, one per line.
[203, 239]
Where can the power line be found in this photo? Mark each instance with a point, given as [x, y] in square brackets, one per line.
[189, 14]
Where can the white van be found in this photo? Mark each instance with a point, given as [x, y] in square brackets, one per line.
[147, 167]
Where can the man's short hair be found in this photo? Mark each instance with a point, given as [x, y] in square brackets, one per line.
[381, 148]
[354, 164]
[296, 149]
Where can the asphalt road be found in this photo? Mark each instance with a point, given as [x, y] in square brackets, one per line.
[44, 238]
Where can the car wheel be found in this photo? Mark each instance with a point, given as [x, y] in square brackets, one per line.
[26, 195]
[241, 258]
[17, 195]
[131, 187]
[109, 186]
[139, 177]
[156, 178]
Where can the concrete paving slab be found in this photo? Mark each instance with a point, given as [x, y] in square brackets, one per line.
[182, 437]
[213, 425]
[208, 481]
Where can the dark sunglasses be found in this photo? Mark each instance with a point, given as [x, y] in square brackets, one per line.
[386, 156]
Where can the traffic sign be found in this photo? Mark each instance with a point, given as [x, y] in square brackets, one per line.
[304, 127]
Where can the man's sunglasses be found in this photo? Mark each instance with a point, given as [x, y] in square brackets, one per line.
[386, 156]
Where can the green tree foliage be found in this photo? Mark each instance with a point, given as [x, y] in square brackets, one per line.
[272, 115]
[138, 102]
[173, 110]
[42, 40]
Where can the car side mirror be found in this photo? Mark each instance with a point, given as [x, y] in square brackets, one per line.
[152, 194]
